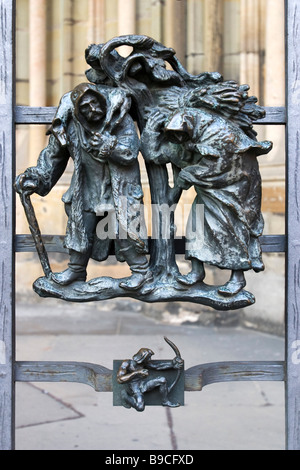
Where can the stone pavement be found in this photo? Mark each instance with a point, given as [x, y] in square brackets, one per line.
[63, 416]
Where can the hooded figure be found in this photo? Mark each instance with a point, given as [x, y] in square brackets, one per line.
[92, 126]
[219, 160]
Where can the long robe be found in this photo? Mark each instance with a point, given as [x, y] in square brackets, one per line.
[95, 183]
[220, 161]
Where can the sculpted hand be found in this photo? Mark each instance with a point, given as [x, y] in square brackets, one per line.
[25, 184]
[108, 145]
[143, 372]
[156, 121]
[96, 140]
[103, 145]
[178, 363]
[181, 182]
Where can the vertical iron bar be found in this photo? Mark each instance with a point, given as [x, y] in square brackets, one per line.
[7, 224]
[293, 225]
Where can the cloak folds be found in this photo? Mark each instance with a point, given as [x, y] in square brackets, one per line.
[220, 161]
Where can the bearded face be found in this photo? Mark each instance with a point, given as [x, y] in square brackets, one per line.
[91, 109]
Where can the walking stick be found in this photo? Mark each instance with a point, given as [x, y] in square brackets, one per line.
[35, 231]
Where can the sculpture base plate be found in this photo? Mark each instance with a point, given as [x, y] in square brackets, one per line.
[105, 288]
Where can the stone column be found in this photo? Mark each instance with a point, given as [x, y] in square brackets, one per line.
[37, 72]
[275, 54]
[66, 53]
[213, 35]
[126, 21]
[96, 21]
[250, 45]
[195, 36]
[274, 90]
[156, 20]
[175, 27]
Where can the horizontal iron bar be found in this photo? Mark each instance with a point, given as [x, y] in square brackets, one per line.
[45, 115]
[100, 378]
[55, 244]
[273, 243]
[96, 376]
[274, 115]
[201, 375]
[34, 115]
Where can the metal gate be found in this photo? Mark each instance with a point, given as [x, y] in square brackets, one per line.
[99, 377]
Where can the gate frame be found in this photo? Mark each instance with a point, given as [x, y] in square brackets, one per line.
[12, 371]
[292, 287]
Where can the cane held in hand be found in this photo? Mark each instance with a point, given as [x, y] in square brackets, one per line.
[25, 190]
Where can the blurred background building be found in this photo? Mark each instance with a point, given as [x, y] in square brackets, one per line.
[242, 39]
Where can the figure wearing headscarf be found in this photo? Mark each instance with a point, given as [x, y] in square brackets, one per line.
[220, 161]
[92, 126]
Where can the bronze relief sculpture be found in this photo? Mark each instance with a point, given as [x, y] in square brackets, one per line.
[135, 383]
[200, 125]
